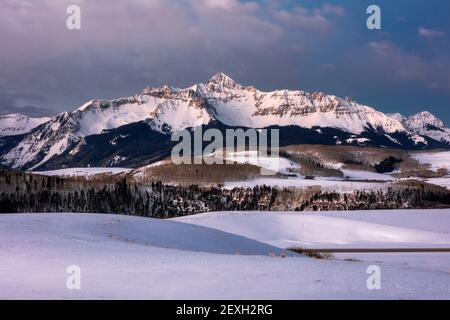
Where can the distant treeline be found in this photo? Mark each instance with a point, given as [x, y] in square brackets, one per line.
[25, 192]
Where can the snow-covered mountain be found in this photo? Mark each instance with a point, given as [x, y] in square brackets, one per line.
[246, 106]
[169, 109]
[218, 101]
[16, 123]
[426, 124]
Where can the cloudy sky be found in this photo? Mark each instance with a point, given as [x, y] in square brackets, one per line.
[313, 45]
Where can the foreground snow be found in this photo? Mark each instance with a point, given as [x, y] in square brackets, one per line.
[354, 229]
[130, 257]
[363, 229]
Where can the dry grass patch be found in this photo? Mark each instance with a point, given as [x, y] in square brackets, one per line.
[316, 159]
[313, 253]
[195, 174]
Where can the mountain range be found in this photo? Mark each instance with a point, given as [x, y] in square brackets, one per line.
[16, 124]
[426, 124]
[136, 130]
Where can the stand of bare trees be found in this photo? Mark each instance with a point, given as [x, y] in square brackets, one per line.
[24, 192]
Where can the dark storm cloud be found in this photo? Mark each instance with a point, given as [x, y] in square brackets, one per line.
[124, 46]
[29, 104]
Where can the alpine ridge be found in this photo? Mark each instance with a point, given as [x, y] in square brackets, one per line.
[16, 123]
[426, 124]
[136, 130]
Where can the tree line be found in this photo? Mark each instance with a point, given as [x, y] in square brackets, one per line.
[25, 192]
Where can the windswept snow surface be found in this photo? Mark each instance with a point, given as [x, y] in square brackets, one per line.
[436, 160]
[360, 174]
[299, 182]
[142, 258]
[366, 175]
[101, 228]
[354, 229]
[270, 163]
[82, 172]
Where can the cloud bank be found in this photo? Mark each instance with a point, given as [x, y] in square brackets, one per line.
[124, 46]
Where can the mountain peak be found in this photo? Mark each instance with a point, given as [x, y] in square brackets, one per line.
[397, 116]
[426, 124]
[221, 80]
[426, 117]
[14, 116]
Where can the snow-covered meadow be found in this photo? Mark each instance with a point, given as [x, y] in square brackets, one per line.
[221, 256]
[436, 160]
[352, 229]
[83, 172]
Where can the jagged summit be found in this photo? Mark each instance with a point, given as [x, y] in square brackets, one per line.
[420, 118]
[13, 116]
[221, 81]
[427, 118]
[425, 123]
[397, 116]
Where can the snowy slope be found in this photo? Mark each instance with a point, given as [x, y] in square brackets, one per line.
[41, 144]
[116, 229]
[172, 107]
[247, 106]
[436, 160]
[271, 164]
[124, 257]
[169, 108]
[425, 124]
[83, 172]
[15, 124]
[354, 229]
[299, 182]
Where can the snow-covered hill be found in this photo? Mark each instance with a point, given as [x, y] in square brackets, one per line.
[218, 101]
[356, 229]
[425, 124]
[15, 124]
[123, 257]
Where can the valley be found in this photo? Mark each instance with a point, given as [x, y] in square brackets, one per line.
[304, 178]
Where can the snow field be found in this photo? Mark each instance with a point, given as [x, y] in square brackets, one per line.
[124, 257]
